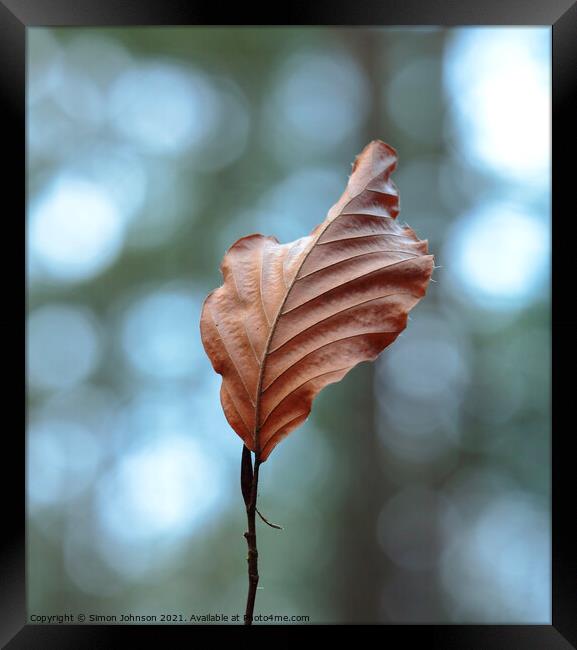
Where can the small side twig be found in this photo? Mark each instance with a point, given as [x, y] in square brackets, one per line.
[267, 522]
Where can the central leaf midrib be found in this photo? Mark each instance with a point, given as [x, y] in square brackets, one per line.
[279, 312]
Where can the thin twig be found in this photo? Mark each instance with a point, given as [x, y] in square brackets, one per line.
[250, 536]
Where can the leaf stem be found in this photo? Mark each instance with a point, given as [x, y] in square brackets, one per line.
[250, 536]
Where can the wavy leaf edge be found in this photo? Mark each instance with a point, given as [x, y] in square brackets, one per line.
[237, 330]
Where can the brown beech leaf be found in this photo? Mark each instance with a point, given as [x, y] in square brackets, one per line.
[292, 318]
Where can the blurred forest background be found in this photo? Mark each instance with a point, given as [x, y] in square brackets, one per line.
[418, 490]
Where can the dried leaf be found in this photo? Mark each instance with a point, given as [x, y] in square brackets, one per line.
[292, 318]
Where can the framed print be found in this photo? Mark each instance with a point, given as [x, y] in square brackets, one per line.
[186, 308]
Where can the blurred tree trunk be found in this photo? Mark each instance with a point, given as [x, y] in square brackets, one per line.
[366, 569]
[360, 556]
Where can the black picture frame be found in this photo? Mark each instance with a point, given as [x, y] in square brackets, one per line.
[17, 15]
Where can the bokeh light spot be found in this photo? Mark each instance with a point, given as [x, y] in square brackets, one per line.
[163, 107]
[164, 487]
[76, 230]
[498, 569]
[499, 256]
[62, 458]
[157, 335]
[318, 101]
[499, 80]
[63, 346]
